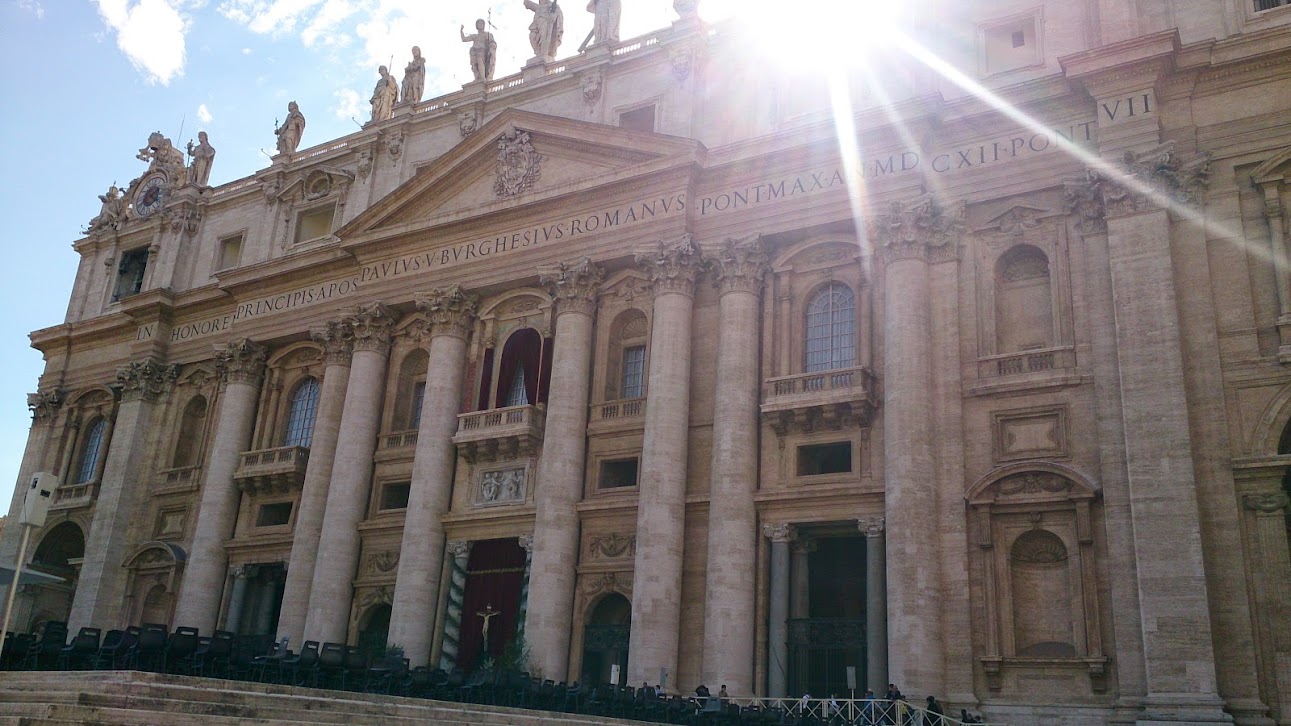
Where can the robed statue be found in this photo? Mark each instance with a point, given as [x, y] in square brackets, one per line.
[384, 96]
[414, 78]
[203, 155]
[547, 28]
[291, 130]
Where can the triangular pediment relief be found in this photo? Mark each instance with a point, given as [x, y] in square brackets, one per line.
[517, 158]
[1018, 217]
[1275, 169]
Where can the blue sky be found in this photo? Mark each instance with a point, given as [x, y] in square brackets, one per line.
[88, 80]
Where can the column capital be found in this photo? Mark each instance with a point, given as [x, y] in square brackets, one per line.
[526, 542]
[672, 266]
[872, 526]
[918, 229]
[1267, 502]
[739, 264]
[371, 325]
[44, 404]
[459, 548]
[146, 379]
[450, 310]
[1157, 178]
[337, 340]
[241, 361]
[574, 285]
[780, 533]
[1084, 201]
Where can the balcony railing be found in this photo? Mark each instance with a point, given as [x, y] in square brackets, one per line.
[500, 432]
[625, 413]
[179, 476]
[1030, 361]
[272, 470]
[400, 440]
[74, 493]
[828, 398]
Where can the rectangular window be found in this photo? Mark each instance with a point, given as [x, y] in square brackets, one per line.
[1019, 39]
[634, 372]
[618, 473]
[418, 395]
[315, 223]
[274, 515]
[638, 119]
[130, 273]
[230, 253]
[1010, 44]
[395, 495]
[815, 459]
[1261, 5]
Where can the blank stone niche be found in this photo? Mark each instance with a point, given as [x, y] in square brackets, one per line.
[1023, 301]
[1041, 596]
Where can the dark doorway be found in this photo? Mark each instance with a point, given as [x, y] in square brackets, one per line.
[832, 636]
[374, 629]
[494, 579]
[265, 586]
[605, 640]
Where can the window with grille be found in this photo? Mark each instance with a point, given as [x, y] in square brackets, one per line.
[634, 371]
[300, 418]
[90, 454]
[831, 329]
[1270, 4]
[516, 393]
[418, 395]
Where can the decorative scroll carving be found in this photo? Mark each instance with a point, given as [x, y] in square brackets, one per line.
[382, 562]
[393, 140]
[779, 532]
[241, 361]
[682, 59]
[591, 84]
[610, 546]
[919, 229]
[526, 542]
[672, 267]
[146, 379]
[519, 165]
[44, 404]
[372, 325]
[383, 594]
[1267, 503]
[365, 163]
[620, 582]
[1084, 201]
[337, 339]
[872, 526]
[459, 549]
[1032, 482]
[468, 121]
[575, 285]
[1155, 178]
[450, 310]
[740, 264]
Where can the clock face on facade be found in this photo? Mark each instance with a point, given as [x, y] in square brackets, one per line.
[150, 195]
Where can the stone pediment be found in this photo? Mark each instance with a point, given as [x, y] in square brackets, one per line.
[515, 159]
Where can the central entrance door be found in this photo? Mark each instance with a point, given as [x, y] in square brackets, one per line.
[605, 640]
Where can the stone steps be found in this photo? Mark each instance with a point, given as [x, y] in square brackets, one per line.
[147, 699]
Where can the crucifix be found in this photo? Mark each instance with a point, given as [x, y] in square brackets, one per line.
[488, 614]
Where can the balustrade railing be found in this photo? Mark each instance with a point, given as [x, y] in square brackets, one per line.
[840, 711]
[1029, 361]
[838, 379]
[277, 469]
[178, 475]
[400, 439]
[481, 420]
[616, 410]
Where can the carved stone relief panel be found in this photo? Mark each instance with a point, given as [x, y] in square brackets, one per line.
[170, 523]
[611, 546]
[507, 484]
[1030, 433]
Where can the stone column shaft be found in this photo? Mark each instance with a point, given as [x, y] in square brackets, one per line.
[237, 600]
[799, 581]
[560, 473]
[451, 312]
[318, 476]
[327, 618]
[661, 507]
[778, 611]
[461, 553]
[876, 605]
[526, 543]
[199, 599]
[730, 588]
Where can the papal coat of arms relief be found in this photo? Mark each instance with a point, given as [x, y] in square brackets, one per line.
[518, 163]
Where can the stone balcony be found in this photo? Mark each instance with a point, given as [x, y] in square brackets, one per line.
[397, 445]
[272, 471]
[821, 400]
[180, 478]
[500, 433]
[1040, 360]
[621, 415]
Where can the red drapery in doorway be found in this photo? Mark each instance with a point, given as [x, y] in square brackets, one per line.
[494, 576]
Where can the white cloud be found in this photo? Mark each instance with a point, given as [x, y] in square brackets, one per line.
[34, 7]
[204, 114]
[150, 33]
[275, 17]
[246, 51]
[324, 26]
[349, 104]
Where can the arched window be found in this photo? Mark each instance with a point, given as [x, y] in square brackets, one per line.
[300, 418]
[831, 328]
[90, 452]
[520, 368]
[1023, 301]
[410, 391]
[188, 445]
[626, 362]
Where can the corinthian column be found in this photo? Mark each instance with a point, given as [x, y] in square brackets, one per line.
[876, 604]
[450, 313]
[460, 551]
[729, 621]
[337, 341]
[240, 365]
[560, 474]
[907, 238]
[778, 609]
[661, 502]
[338, 545]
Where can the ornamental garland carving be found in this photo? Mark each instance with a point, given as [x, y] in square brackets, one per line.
[574, 285]
[918, 229]
[740, 264]
[1031, 483]
[382, 562]
[620, 582]
[337, 339]
[372, 325]
[145, 379]
[610, 546]
[519, 165]
[376, 595]
[44, 404]
[672, 267]
[450, 310]
[1268, 503]
[242, 361]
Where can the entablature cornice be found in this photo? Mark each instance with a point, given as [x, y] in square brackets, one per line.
[317, 261]
[1124, 60]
